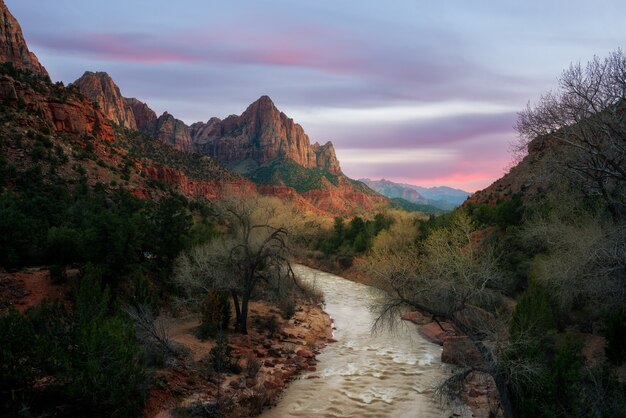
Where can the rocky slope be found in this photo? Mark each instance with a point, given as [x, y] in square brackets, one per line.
[174, 132]
[131, 113]
[59, 108]
[64, 134]
[531, 178]
[145, 118]
[13, 48]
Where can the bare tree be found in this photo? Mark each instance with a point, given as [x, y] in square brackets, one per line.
[150, 328]
[586, 116]
[450, 278]
[584, 256]
[254, 251]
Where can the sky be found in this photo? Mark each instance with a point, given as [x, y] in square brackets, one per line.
[421, 92]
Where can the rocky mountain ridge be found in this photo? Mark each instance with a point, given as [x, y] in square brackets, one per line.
[262, 143]
[531, 178]
[262, 133]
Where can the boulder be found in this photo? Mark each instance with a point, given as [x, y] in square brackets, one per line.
[436, 332]
[416, 317]
[460, 350]
[305, 353]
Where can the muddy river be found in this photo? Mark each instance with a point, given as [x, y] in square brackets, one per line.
[365, 374]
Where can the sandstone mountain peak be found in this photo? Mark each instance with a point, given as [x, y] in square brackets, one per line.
[13, 48]
[264, 100]
[100, 88]
[132, 113]
[262, 134]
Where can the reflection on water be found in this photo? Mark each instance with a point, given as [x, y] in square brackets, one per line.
[387, 374]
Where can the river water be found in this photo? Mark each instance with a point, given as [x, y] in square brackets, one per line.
[385, 374]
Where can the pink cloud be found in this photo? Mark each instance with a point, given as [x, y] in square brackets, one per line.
[469, 182]
[135, 48]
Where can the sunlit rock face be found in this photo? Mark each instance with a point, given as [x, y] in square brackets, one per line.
[13, 48]
[101, 89]
[174, 132]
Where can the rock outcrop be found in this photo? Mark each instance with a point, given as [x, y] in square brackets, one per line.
[174, 132]
[460, 350]
[145, 118]
[132, 113]
[68, 113]
[100, 88]
[325, 157]
[261, 134]
[13, 48]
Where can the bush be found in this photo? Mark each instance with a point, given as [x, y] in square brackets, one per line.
[533, 313]
[17, 343]
[252, 366]
[221, 358]
[57, 274]
[216, 313]
[104, 375]
[63, 245]
[287, 306]
[615, 334]
[267, 324]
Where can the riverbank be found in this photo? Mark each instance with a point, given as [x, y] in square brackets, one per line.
[275, 351]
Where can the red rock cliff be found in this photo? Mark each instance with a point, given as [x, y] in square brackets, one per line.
[100, 88]
[13, 48]
[174, 132]
[145, 118]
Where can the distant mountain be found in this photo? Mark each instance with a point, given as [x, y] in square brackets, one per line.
[442, 197]
[399, 203]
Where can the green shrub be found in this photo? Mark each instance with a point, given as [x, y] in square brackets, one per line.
[17, 344]
[533, 313]
[221, 358]
[267, 324]
[57, 274]
[287, 306]
[104, 375]
[615, 334]
[52, 324]
[252, 366]
[64, 245]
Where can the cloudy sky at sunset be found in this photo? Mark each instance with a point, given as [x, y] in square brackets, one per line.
[424, 92]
